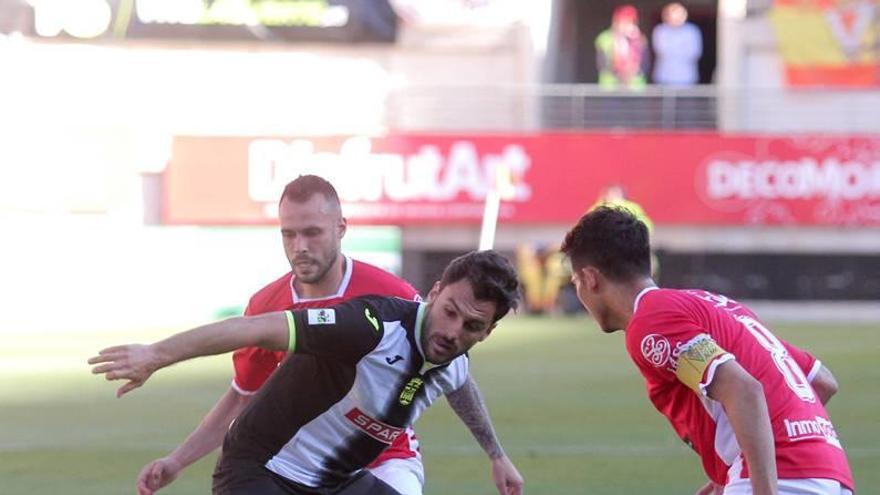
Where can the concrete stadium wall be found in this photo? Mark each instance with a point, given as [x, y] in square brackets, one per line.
[753, 96]
[184, 88]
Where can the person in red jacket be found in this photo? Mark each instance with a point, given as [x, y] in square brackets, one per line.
[312, 227]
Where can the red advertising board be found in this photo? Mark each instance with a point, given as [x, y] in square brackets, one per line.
[407, 179]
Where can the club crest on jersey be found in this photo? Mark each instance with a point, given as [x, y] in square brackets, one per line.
[322, 316]
[409, 391]
[655, 348]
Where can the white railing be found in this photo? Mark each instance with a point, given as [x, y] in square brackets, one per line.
[587, 106]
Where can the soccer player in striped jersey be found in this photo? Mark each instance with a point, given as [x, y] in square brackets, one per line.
[312, 228]
[360, 374]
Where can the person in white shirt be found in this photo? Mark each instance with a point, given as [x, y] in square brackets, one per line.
[678, 47]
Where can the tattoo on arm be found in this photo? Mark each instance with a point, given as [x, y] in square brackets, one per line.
[467, 402]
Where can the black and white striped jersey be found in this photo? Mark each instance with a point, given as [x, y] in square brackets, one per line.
[356, 380]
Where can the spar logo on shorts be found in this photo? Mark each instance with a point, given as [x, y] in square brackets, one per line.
[656, 349]
[375, 428]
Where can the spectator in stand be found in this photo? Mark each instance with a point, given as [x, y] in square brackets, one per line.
[622, 51]
[678, 47]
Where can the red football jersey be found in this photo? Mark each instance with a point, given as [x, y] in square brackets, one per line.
[677, 339]
[253, 365]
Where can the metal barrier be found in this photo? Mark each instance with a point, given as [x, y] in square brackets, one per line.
[587, 106]
[656, 107]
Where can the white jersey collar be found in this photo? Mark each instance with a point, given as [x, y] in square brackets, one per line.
[639, 297]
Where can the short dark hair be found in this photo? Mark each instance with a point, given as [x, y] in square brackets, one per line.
[613, 240]
[491, 275]
[304, 187]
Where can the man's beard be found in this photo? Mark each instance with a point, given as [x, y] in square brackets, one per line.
[320, 269]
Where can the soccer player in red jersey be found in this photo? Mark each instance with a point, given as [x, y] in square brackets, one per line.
[750, 404]
[312, 228]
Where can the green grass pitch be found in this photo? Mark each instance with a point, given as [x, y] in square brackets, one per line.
[568, 404]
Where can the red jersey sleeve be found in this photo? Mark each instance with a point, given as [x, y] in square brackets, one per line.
[253, 365]
[369, 279]
[669, 346]
[394, 286]
[406, 291]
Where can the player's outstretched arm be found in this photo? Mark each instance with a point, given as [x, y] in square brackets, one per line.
[468, 404]
[824, 384]
[137, 362]
[743, 399]
[201, 442]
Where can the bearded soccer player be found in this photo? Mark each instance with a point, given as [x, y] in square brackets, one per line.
[750, 404]
[361, 374]
[312, 228]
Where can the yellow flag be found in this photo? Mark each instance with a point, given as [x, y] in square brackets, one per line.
[829, 42]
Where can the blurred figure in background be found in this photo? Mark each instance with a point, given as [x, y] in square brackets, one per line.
[528, 265]
[678, 47]
[556, 276]
[622, 51]
[543, 272]
[615, 195]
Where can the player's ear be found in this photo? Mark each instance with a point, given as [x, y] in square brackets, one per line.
[342, 227]
[591, 277]
[434, 291]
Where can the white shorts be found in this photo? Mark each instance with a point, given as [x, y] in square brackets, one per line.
[806, 486]
[407, 476]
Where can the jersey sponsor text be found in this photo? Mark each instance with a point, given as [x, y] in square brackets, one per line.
[375, 428]
[817, 427]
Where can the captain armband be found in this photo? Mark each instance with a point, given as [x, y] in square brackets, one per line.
[697, 363]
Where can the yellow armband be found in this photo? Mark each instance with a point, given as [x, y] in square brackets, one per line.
[695, 360]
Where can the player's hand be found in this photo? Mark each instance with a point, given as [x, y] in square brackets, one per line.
[507, 478]
[710, 488]
[133, 362]
[157, 474]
